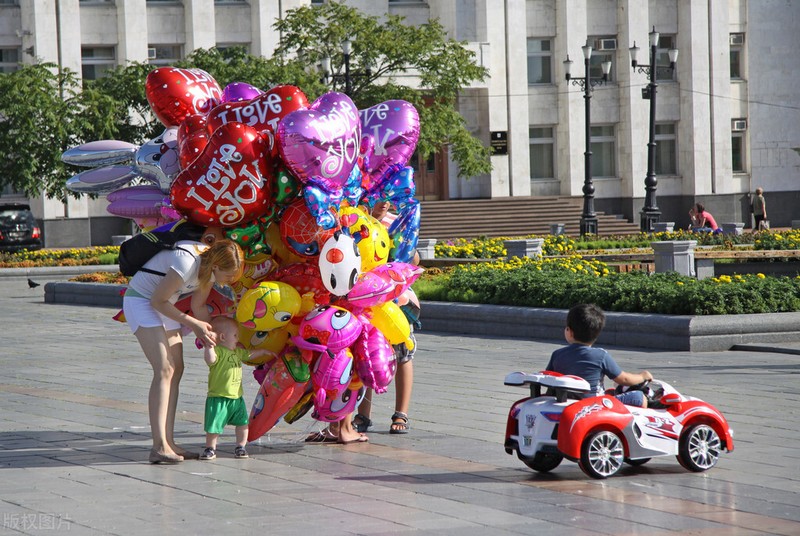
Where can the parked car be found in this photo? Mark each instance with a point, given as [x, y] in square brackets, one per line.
[18, 228]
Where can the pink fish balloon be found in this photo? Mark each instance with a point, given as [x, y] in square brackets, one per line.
[375, 362]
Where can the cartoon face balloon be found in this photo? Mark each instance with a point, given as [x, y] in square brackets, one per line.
[335, 397]
[273, 341]
[300, 232]
[267, 306]
[370, 235]
[339, 264]
[328, 328]
[158, 161]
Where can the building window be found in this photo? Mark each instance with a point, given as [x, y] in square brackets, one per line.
[9, 59]
[95, 61]
[542, 152]
[737, 56]
[665, 42]
[604, 151]
[164, 54]
[738, 162]
[603, 50]
[540, 61]
[9, 2]
[666, 150]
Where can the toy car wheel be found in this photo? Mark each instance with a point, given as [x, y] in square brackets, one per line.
[699, 448]
[602, 454]
[637, 462]
[544, 462]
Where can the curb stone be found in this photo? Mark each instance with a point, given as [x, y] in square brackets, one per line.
[628, 330]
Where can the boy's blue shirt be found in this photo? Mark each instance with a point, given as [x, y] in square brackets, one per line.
[588, 362]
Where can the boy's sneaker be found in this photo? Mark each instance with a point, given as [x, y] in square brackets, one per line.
[208, 454]
[239, 452]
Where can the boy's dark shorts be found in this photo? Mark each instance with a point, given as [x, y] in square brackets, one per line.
[221, 412]
[631, 398]
[401, 352]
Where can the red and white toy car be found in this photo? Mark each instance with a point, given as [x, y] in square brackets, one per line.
[601, 433]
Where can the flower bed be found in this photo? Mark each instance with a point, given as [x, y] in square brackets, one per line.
[561, 283]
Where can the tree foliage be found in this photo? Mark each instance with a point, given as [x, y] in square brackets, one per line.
[387, 58]
[51, 112]
[39, 118]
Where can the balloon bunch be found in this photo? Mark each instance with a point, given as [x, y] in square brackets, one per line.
[291, 182]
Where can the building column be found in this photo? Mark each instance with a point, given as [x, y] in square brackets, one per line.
[201, 30]
[572, 29]
[132, 31]
[632, 132]
[694, 74]
[516, 40]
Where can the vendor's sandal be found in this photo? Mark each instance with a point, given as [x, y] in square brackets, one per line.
[323, 436]
[360, 439]
[362, 424]
[399, 423]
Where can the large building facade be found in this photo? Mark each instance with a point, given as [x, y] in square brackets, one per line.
[726, 118]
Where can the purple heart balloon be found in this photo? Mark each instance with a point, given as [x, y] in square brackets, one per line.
[321, 144]
[394, 128]
[239, 91]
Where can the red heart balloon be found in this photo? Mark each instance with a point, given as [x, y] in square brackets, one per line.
[193, 137]
[174, 93]
[228, 184]
[263, 113]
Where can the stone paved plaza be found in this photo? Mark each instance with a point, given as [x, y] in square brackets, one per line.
[74, 440]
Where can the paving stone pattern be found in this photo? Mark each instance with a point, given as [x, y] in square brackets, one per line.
[74, 440]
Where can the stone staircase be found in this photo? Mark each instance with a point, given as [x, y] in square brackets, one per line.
[511, 217]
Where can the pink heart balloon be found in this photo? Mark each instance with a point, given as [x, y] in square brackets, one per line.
[229, 183]
[394, 128]
[321, 144]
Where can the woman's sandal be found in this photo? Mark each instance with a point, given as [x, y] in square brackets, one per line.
[362, 423]
[399, 423]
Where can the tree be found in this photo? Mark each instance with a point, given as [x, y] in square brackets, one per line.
[52, 112]
[37, 123]
[381, 53]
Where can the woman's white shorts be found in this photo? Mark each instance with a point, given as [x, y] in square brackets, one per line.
[140, 313]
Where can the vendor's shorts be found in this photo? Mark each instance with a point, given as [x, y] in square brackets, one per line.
[631, 398]
[140, 313]
[221, 412]
[401, 352]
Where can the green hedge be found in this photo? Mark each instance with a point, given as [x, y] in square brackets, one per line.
[537, 284]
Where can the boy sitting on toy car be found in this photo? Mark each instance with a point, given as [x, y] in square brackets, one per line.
[584, 324]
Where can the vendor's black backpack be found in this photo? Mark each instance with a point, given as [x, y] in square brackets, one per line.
[136, 251]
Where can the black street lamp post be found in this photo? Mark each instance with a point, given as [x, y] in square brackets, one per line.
[347, 77]
[588, 216]
[650, 213]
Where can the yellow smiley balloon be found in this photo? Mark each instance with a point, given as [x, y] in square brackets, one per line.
[371, 235]
[390, 320]
[268, 305]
